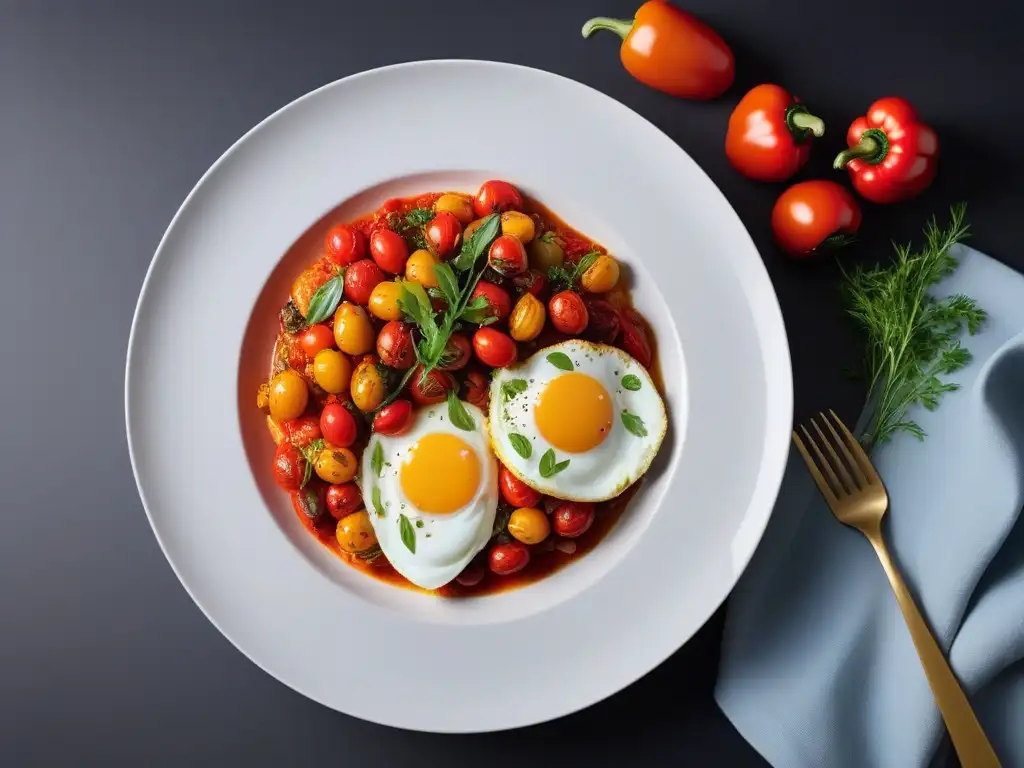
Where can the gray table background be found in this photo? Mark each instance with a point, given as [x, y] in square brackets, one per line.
[111, 111]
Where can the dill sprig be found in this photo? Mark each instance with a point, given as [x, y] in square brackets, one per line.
[911, 337]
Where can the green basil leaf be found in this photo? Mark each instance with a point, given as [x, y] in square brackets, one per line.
[631, 382]
[408, 533]
[584, 264]
[634, 424]
[513, 387]
[457, 413]
[378, 507]
[377, 460]
[326, 299]
[473, 248]
[479, 312]
[521, 445]
[561, 361]
[549, 466]
[448, 283]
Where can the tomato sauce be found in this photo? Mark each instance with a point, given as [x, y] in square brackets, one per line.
[545, 558]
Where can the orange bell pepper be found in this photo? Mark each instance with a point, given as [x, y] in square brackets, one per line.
[671, 50]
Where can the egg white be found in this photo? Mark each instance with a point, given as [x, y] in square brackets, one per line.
[602, 472]
[444, 543]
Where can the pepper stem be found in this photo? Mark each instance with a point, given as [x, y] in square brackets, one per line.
[805, 121]
[872, 149]
[620, 27]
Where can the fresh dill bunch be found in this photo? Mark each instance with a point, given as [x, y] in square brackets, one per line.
[911, 337]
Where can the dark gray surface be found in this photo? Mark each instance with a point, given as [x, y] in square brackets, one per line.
[110, 112]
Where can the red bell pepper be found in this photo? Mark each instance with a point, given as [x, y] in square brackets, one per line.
[892, 156]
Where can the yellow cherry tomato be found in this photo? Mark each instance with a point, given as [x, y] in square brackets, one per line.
[336, 465]
[355, 532]
[460, 207]
[332, 371]
[288, 395]
[384, 300]
[518, 225]
[544, 253]
[420, 268]
[529, 525]
[527, 318]
[602, 276]
[367, 386]
[353, 332]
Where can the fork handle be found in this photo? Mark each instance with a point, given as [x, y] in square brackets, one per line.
[969, 740]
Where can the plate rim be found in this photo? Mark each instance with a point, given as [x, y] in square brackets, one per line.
[768, 478]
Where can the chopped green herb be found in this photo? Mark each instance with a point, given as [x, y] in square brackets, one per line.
[631, 382]
[634, 424]
[521, 445]
[419, 523]
[378, 507]
[377, 460]
[407, 532]
[560, 360]
[511, 388]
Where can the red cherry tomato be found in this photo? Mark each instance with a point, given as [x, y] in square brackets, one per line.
[497, 297]
[494, 348]
[568, 313]
[344, 245]
[310, 501]
[289, 466]
[433, 389]
[443, 233]
[515, 491]
[506, 559]
[814, 215]
[394, 345]
[472, 574]
[477, 390]
[507, 256]
[343, 499]
[635, 341]
[496, 197]
[394, 418]
[573, 518]
[389, 250]
[456, 353]
[604, 324]
[360, 280]
[303, 430]
[338, 425]
[531, 281]
[316, 338]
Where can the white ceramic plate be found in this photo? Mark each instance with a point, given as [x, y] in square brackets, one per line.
[201, 340]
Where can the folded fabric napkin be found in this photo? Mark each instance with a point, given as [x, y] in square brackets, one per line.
[817, 667]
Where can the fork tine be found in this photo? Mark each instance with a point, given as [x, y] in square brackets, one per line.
[837, 463]
[819, 479]
[860, 456]
[837, 488]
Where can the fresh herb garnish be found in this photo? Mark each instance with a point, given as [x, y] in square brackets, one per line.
[634, 424]
[521, 445]
[310, 452]
[457, 413]
[407, 532]
[416, 305]
[549, 467]
[511, 388]
[377, 459]
[565, 278]
[291, 318]
[419, 217]
[419, 523]
[479, 312]
[911, 337]
[560, 360]
[631, 382]
[378, 507]
[326, 299]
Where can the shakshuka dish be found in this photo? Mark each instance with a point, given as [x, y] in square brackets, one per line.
[461, 392]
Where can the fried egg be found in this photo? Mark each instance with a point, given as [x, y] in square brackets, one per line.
[431, 494]
[577, 420]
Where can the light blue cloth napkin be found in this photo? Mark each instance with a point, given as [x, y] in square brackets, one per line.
[817, 667]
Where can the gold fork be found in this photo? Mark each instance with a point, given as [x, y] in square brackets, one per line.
[857, 498]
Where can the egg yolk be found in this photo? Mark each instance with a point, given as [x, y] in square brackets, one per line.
[441, 475]
[574, 413]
